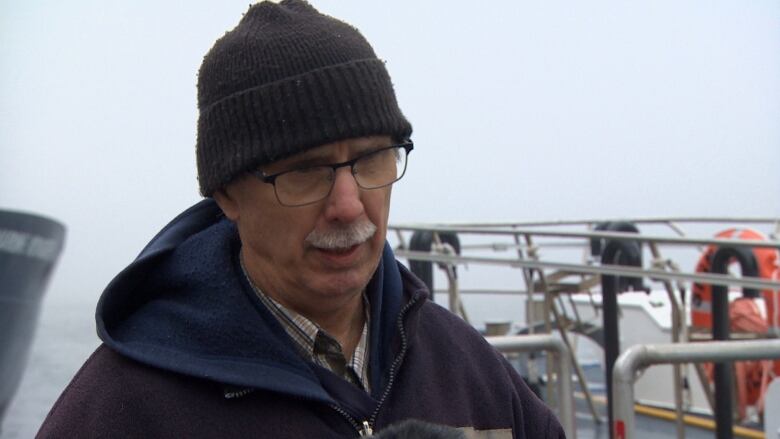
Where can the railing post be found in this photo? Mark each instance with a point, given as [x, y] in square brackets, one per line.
[622, 253]
[678, 327]
[724, 379]
[640, 356]
[548, 342]
[622, 420]
[422, 240]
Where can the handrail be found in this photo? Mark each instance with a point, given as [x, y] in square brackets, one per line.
[655, 220]
[548, 342]
[525, 237]
[505, 246]
[615, 270]
[668, 240]
[638, 357]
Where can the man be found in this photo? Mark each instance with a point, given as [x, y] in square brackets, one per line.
[274, 308]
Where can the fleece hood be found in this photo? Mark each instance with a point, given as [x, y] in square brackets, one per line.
[184, 306]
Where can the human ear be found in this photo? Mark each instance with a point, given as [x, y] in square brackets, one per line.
[227, 202]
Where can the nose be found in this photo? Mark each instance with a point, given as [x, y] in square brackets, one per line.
[344, 204]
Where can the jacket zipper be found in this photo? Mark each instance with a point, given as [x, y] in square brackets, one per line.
[367, 427]
[238, 393]
[396, 363]
[363, 430]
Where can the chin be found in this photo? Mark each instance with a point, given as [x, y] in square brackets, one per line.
[348, 282]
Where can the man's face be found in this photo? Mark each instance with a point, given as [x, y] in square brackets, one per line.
[296, 271]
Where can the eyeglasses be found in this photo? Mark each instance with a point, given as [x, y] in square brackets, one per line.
[310, 184]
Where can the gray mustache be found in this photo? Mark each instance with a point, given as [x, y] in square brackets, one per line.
[342, 236]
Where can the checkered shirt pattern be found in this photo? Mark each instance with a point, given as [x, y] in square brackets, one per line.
[316, 345]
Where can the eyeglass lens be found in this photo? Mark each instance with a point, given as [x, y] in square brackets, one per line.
[308, 185]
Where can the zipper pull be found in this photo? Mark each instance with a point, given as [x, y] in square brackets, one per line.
[367, 430]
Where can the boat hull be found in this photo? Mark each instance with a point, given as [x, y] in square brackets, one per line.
[29, 248]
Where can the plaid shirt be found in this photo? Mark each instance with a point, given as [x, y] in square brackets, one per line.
[316, 345]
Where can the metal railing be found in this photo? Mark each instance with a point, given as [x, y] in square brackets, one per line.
[639, 357]
[612, 270]
[548, 277]
[658, 239]
[547, 342]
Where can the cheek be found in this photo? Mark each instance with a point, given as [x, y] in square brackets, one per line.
[382, 207]
[253, 234]
[288, 228]
[377, 207]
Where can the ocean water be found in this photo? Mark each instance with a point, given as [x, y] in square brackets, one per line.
[65, 337]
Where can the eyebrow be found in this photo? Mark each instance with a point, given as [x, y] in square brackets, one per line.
[307, 162]
[322, 160]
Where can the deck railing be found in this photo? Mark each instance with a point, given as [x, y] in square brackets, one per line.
[639, 357]
[548, 342]
[543, 275]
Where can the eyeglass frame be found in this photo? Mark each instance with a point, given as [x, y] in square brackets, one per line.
[407, 145]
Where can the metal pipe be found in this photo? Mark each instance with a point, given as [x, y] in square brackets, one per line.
[711, 220]
[578, 371]
[421, 242]
[676, 329]
[529, 287]
[551, 308]
[677, 229]
[724, 376]
[449, 271]
[704, 381]
[615, 270]
[611, 335]
[638, 357]
[530, 317]
[547, 305]
[502, 246]
[401, 240]
[548, 342]
[623, 253]
[483, 291]
[669, 240]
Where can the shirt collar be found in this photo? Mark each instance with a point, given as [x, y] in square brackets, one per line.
[314, 343]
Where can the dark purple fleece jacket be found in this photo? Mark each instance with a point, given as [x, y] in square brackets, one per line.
[190, 352]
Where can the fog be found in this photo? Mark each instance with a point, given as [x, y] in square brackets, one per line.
[545, 110]
[521, 111]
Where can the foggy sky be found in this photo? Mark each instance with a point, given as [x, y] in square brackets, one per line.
[521, 111]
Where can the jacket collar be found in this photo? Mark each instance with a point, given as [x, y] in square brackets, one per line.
[183, 306]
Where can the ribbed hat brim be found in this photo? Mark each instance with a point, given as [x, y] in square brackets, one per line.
[260, 125]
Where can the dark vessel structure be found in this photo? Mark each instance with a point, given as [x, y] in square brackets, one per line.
[29, 248]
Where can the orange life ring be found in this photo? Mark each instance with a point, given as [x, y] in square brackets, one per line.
[752, 377]
[767, 261]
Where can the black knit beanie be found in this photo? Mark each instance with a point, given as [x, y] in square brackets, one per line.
[285, 80]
